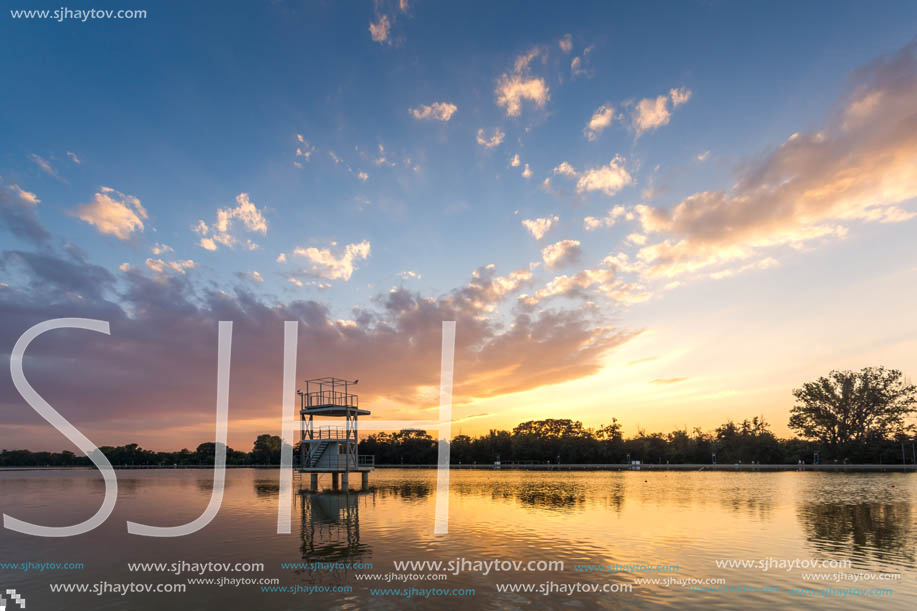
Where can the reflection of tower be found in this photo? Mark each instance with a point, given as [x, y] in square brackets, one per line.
[331, 448]
[331, 525]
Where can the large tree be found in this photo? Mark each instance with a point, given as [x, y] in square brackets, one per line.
[853, 406]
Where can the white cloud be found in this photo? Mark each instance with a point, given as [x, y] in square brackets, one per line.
[526, 171]
[578, 64]
[703, 156]
[492, 141]
[282, 258]
[601, 118]
[113, 213]
[73, 157]
[652, 113]
[679, 96]
[304, 151]
[514, 88]
[608, 179]
[159, 249]
[257, 277]
[539, 227]
[159, 266]
[565, 169]
[44, 164]
[363, 176]
[592, 223]
[560, 254]
[380, 30]
[406, 275]
[515, 161]
[571, 286]
[439, 111]
[26, 196]
[328, 265]
[221, 232]
[566, 43]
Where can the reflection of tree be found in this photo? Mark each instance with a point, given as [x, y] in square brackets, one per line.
[408, 491]
[875, 531]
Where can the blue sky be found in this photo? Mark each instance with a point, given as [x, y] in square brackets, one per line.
[192, 107]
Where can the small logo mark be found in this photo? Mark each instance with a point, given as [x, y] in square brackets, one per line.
[16, 598]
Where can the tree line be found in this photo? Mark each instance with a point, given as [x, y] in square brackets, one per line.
[845, 417]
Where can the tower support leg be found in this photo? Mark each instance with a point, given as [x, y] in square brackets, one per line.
[365, 479]
[345, 481]
[334, 481]
[313, 481]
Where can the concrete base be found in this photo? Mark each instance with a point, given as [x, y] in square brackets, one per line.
[365, 479]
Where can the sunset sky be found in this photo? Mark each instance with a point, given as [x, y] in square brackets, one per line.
[668, 213]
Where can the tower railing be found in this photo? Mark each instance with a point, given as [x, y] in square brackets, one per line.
[318, 398]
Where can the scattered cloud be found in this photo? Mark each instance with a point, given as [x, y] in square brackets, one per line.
[304, 151]
[539, 227]
[410, 275]
[438, 111]
[579, 64]
[526, 172]
[492, 141]
[73, 158]
[591, 223]
[330, 266]
[857, 168]
[282, 258]
[222, 230]
[652, 113]
[565, 169]
[702, 157]
[113, 213]
[159, 266]
[562, 254]
[519, 85]
[566, 43]
[514, 162]
[380, 30]
[43, 164]
[576, 285]
[608, 179]
[601, 118]
[159, 249]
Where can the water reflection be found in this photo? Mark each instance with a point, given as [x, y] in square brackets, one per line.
[862, 532]
[330, 525]
[865, 519]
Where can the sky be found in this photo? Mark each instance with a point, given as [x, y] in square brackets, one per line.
[667, 213]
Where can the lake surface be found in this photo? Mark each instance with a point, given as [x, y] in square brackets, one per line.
[689, 520]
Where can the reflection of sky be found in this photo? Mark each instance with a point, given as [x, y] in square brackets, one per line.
[287, 130]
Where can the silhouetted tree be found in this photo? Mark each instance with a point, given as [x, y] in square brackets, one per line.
[848, 410]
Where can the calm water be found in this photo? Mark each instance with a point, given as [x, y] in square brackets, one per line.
[684, 519]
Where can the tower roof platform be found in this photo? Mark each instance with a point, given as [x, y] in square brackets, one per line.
[331, 397]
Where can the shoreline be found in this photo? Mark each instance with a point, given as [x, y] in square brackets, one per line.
[526, 467]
